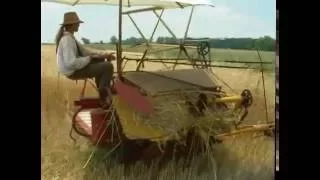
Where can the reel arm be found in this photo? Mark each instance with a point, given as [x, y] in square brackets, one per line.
[243, 101]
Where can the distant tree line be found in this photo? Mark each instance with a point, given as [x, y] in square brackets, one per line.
[265, 43]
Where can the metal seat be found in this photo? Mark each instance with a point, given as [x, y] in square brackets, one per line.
[88, 102]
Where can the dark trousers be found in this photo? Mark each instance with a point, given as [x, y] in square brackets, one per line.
[102, 71]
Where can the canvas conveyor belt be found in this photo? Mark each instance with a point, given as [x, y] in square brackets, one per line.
[166, 81]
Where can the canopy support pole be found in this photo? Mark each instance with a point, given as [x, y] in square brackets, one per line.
[165, 25]
[119, 49]
[155, 28]
[141, 61]
[138, 29]
[188, 26]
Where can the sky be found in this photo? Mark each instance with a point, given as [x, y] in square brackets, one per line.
[229, 18]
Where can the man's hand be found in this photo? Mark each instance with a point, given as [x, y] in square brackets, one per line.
[96, 56]
[110, 56]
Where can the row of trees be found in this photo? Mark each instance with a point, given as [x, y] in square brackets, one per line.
[265, 43]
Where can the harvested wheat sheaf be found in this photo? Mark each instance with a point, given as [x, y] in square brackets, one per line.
[171, 115]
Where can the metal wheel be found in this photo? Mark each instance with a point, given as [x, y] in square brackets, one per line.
[248, 99]
[203, 48]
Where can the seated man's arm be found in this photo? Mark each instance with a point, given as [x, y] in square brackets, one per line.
[85, 51]
[88, 52]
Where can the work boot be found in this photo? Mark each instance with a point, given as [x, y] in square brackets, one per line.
[105, 98]
[112, 88]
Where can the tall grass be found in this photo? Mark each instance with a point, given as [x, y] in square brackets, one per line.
[245, 157]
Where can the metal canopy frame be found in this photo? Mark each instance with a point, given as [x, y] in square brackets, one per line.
[181, 45]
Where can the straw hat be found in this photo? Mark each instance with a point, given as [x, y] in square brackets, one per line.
[71, 18]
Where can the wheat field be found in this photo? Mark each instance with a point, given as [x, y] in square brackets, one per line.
[244, 158]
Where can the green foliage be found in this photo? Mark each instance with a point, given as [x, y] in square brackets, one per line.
[266, 43]
[113, 40]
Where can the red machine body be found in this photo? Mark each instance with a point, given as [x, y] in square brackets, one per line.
[95, 123]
